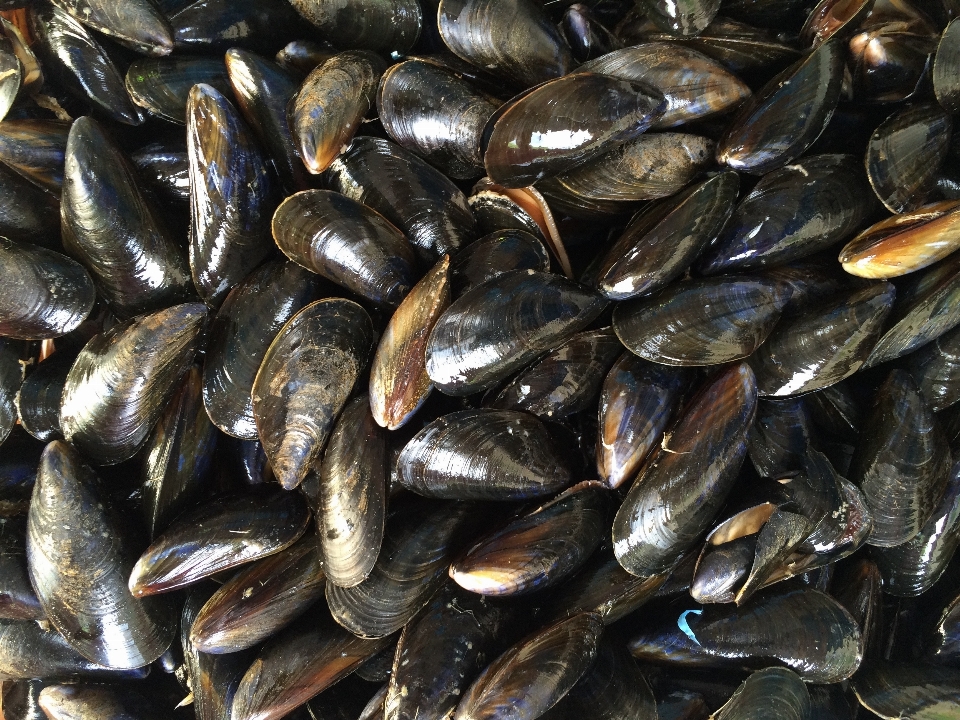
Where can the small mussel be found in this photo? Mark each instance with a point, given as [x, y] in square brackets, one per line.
[494, 254]
[38, 402]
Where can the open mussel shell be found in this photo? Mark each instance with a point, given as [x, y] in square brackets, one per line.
[161, 85]
[904, 243]
[436, 114]
[494, 254]
[651, 166]
[18, 601]
[683, 17]
[902, 462]
[686, 481]
[353, 489]
[331, 103]
[346, 242]
[419, 542]
[178, 456]
[701, 322]
[803, 629]
[260, 600]
[517, 676]
[138, 24]
[297, 664]
[911, 568]
[483, 455]
[936, 368]
[122, 379]
[791, 213]
[914, 690]
[44, 294]
[514, 38]
[221, 534]
[231, 195]
[398, 375]
[116, 230]
[498, 327]
[383, 26]
[416, 197]
[442, 650]
[694, 85]
[247, 322]
[600, 112]
[306, 376]
[823, 346]
[539, 549]
[78, 560]
[637, 401]
[35, 149]
[71, 54]
[787, 115]
[905, 153]
[773, 692]
[946, 86]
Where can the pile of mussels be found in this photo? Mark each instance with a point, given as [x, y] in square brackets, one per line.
[479, 359]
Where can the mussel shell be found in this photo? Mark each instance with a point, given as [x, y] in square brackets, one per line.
[78, 559]
[780, 436]
[35, 149]
[306, 376]
[787, 115]
[663, 240]
[44, 294]
[826, 345]
[20, 700]
[515, 38]
[139, 24]
[18, 601]
[600, 112]
[833, 17]
[584, 33]
[346, 242]
[420, 200]
[888, 64]
[685, 483]
[166, 168]
[419, 542]
[694, 85]
[773, 690]
[436, 114]
[945, 63]
[331, 103]
[791, 213]
[911, 568]
[516, 677]
[383, 26]
[21, 452]
[905, 154]
[637, 401]
[218, 25]
[115, 230]
[701, 322]
[67, 702]
[122, 379]
[803, 629]
[936, 368]
[221, 534]
[723, 569]
[538, 549]
[302, 56]
[297, 664]
[441, 651]
[857, 588]
[10, 74]
[161, 85]
[28, 213]
[260, 600]
[247, 322]
[353, 489]
[683, 17]
[916, 690]
[495, 254]
[498, 327]
[483, 455]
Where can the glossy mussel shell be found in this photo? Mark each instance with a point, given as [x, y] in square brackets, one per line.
[531, 140]
[946, 86]
[44, 294]
[914, 690]
[483, 455]
[122, 379]
[701, 322]
[161, 85]
[346, 242]
[787, 115]
[803, 629]
[78, 559]
[67, 702]
[304, 381]
[825, 345]
[498, 327]
[136, 23]
[681, 17]
[773, 692]
[494, 254]
[683, 485]
[35, 149]
[218, 535]
[902, 461]
[114, 229]
[18, 601]
[514, 38]
[383, 26]
[936, 368]
[231, 195]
